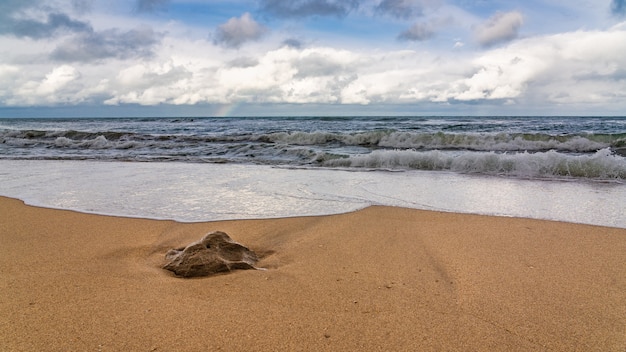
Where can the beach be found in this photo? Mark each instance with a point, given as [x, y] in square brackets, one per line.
[378, 279]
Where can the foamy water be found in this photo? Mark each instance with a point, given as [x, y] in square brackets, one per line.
[204, 192]
[529, 147]
[561, 168]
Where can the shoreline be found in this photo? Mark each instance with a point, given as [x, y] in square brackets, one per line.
[157, 191]
[183, 221]
[379, 278]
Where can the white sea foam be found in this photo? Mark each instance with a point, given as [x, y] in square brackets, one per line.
[603, 164]
[202, 192]
[63, 142]
[490, 141]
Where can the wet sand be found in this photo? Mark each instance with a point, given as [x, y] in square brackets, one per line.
[379, 279]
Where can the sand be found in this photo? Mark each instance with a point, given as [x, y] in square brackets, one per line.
[379, 279]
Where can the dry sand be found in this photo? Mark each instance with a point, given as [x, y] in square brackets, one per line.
[379, 279]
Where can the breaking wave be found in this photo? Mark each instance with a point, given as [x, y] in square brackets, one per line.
[601, 165]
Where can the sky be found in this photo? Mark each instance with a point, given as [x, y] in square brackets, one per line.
[312, 57]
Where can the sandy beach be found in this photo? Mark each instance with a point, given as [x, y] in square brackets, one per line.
[379, 279]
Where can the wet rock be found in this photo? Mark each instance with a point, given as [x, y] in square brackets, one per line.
[215, 253]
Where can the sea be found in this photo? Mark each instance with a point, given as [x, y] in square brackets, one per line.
[215, 168]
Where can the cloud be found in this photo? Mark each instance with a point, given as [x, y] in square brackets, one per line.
[618, 7]
[57, 79]
[9, 7]
[55, 23]
[82, 6]
[317, 65]
[501, 27]
[293, 43]
[564, 70]
[59, 86]
[149, 84]
[426, 30]
[403, 9]
[243, 62]
[237, 31]
[31, 19]
[112, 43]
[308, 8]
[417, 32]
[569, 68]
[81, 43]
[151, 5]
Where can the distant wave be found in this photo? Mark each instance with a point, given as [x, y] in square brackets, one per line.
[502, 142]
[601, 165]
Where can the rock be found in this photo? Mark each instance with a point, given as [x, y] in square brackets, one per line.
[215, 253]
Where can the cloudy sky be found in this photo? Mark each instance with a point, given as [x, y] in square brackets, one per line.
[310, 57]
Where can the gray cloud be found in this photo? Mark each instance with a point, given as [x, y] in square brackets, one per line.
[293, 43]
[618, 7]
[307, 8]
[237, 31]
[82, 43]
[8, 7]
[243, 62]
[501, 27]
[403, 9]
[94, 46]
[13, 22]
[418, 32]
[316, 65]
[82, 6]
[55, 23]
[425, 30]
[150, 79]
[151, 5]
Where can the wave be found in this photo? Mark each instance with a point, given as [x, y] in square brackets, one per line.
[377, 139]
[457, 141]
[601, 165]
[594, 156]
[503, 141]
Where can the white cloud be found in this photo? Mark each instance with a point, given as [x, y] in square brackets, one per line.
[8, 73]
[575, 67]
[568, 68]
[8, 70]
[501, 27]
[149, 84]
[57, 79]
[60, 85]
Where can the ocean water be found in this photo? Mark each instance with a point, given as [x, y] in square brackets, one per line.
[560, 168]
